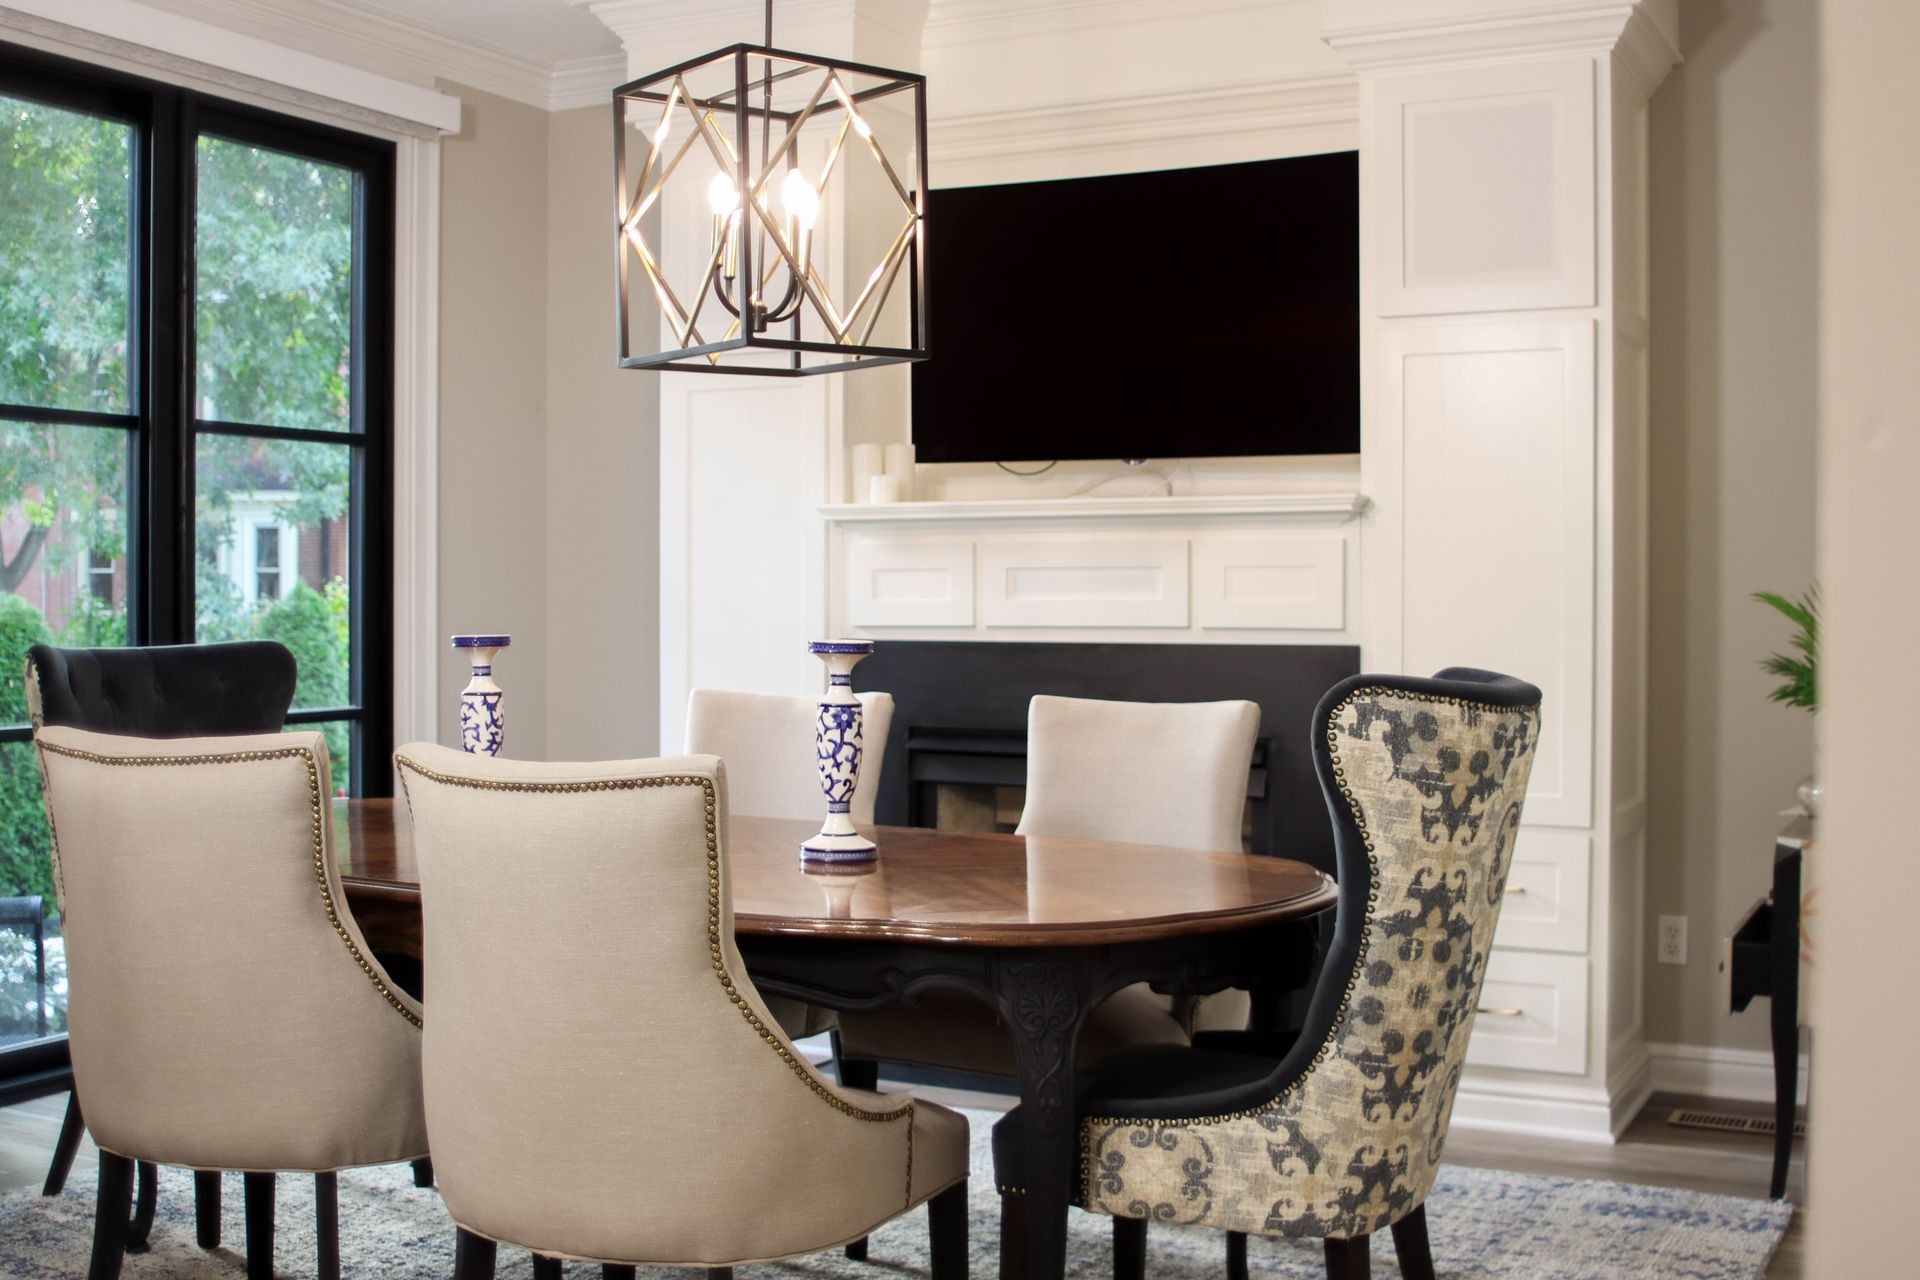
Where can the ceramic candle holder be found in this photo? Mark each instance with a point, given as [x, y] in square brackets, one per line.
[837, 745]
[483, 713]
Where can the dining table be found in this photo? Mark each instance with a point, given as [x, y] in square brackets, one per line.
[1039, 928]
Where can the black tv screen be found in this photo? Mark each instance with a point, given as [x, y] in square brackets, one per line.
[1183, 313]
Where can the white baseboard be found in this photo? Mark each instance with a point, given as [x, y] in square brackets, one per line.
[1709, 1071]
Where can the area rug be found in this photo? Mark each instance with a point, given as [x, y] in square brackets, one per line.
[1486, 1225]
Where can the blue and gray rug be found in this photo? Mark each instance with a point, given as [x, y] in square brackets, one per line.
[1485, 1225]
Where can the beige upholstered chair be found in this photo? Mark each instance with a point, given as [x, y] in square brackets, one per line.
[1146, 772]
[227, 1013]
[766, 738]
[602, 1080]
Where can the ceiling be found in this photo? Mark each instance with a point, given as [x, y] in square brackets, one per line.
[545, 52]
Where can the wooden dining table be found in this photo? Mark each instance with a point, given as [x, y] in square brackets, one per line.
[1041, 929]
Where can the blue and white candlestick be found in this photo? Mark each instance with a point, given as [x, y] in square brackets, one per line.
[483, 712]
[837, 746]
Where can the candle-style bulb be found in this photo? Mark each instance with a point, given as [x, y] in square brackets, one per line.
[800, 200]
[722, 198]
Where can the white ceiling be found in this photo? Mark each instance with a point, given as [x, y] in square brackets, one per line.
[545, 52]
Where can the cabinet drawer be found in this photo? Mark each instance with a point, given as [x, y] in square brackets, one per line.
[1533, 1013]
[1546, 904]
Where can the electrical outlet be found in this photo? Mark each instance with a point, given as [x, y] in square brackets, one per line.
[1673, 940]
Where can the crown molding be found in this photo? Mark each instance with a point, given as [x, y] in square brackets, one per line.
[659, 32]
[412, 50]
[275, 70]
[963, 22]
[1319, 109]
[1378, 35]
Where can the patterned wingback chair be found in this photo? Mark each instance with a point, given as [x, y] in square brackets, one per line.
[227, 1012]
[1342, 1136]
[603, 1081]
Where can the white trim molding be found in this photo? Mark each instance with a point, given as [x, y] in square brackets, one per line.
[1335, 506]
[416, 440]
[1713, 1071]
[179, 47]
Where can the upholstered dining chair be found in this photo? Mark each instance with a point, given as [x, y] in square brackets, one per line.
[1340, 1137]
[603, 1082]
[227, 1012]
[1166, 773]
[171, 691]
[767, 741]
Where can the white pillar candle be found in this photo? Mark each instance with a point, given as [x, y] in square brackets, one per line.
[883, 489]
[900, 467]
[868, 461]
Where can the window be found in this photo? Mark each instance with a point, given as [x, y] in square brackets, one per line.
[195, 406]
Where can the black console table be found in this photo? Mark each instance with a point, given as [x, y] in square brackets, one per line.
[1764, 960]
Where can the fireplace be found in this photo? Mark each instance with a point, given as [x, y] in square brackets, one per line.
[957, 753]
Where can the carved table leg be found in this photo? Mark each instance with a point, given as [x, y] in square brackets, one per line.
[1045, 1004]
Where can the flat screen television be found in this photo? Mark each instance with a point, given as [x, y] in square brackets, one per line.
[1183, 313]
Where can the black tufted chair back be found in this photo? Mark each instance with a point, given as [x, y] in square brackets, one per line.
[172, 691]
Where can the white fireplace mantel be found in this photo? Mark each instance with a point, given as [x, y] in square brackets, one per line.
[1134, 510]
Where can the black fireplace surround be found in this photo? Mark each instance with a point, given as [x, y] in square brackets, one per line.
[960, 716]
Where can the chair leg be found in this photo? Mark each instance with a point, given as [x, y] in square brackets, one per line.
[545, 1268]
[146, 1200]
[71, 1130]
[947, 1232]
[858, 1074]
[110, 1217]
[423, 1171]
[1013, 1237]
[857, 1250]
[473, 1256]
[206, 1209]
[1236, 1255]
[1410, 1242]
[1347, 1259]
[1129, 1248]
[258, 1191]
[611, 1272]
[326, 1224]
[719, 1273]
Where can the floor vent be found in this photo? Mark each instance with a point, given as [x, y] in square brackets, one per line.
[1689, 1118]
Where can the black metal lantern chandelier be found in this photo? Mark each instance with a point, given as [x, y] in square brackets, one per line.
[771, 209]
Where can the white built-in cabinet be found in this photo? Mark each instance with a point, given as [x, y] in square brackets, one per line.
[1496, 516]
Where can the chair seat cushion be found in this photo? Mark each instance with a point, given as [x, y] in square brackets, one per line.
[956, 1032]
[1144, 1082]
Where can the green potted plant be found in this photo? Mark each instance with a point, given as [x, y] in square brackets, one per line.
[1799, 671]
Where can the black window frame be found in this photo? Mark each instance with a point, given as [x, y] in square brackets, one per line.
[163, 428]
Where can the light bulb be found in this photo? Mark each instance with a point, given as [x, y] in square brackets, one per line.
[721, 197]
[800, 200]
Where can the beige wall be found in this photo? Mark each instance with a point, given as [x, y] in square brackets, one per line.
[1864, 1128]
[493, 404]
[549, 470]
[1731, 468]
[603, 471]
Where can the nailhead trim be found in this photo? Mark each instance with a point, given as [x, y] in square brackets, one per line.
[1366, 930]
[317, 808]
[769, 1037]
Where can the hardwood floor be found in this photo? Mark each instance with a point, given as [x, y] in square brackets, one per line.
[1651, 1152]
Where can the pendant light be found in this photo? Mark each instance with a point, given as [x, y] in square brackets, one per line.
[771, 209]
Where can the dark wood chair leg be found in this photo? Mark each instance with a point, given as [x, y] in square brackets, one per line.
[545, 1268]
[1410, 1242]
[857, 1249]
[1013, 1237]
[146, 1201]
[719, 1273]
[1236, 1255]
[258, 1192]
[1347, 1259]
[110, 1218]
[423, 1171]
[473, 1256]
[858, 1074]
[611, 1272]
[326, 1224]
[206, 1209]
[947, 1232]
[71, 1130]
[1129, 1248]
